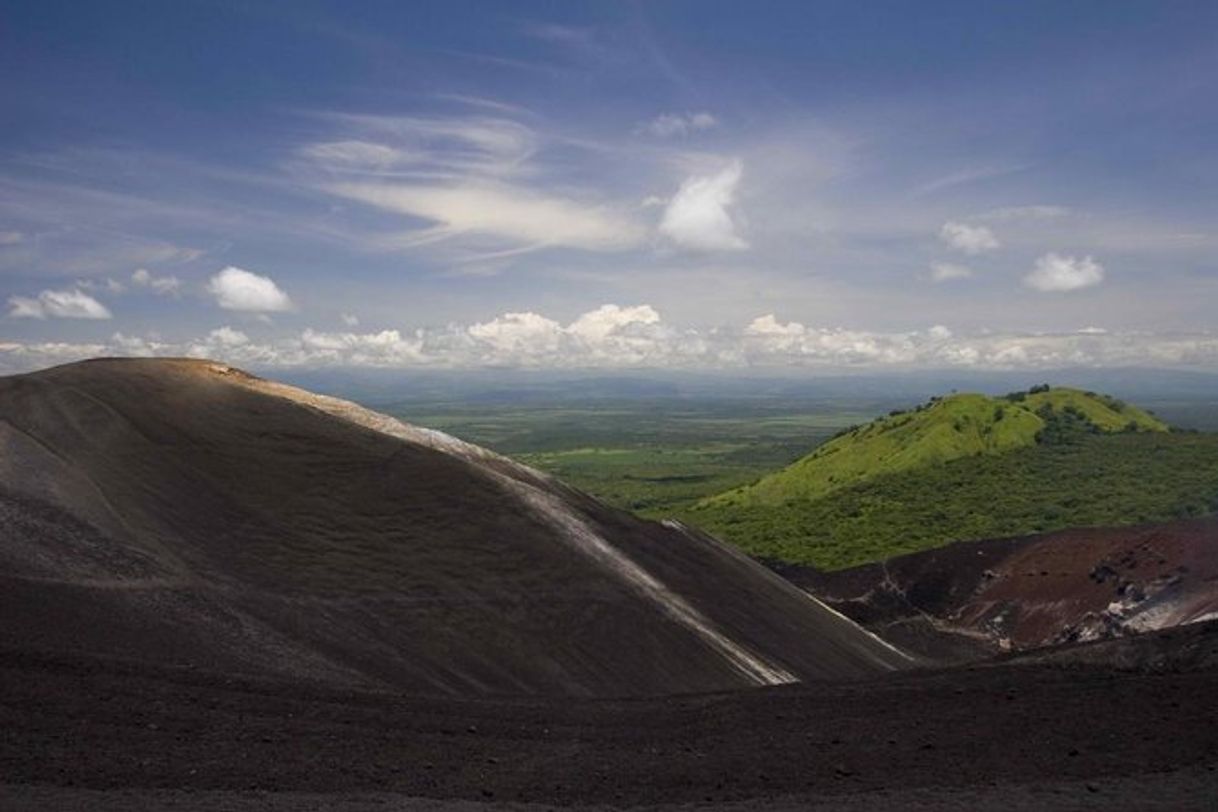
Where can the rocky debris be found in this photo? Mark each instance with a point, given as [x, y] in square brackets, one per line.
[1022, 593]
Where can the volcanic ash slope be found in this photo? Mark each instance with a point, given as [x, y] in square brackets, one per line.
[185, 513]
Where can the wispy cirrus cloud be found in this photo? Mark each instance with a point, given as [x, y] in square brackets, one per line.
[964, 177]
[669, 125]
[498, 210]
[949, 271]
[465, 176]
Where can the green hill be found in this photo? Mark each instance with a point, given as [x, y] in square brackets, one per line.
[942, 430]
[969, 466]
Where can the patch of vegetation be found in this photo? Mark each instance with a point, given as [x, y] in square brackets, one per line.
[1076, 478]
[939, 431]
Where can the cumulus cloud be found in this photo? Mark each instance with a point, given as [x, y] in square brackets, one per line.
[519, 332]
[769, 327]
[386, 348]
[697, 217]
[238, 289]
[948, 271]
[606, 320]
[610, 335]
[767, 340]
[163, 285]
[1057, 273]
[59, 304]
[967, 238]
[350, 319]
[227, 337]
[667, 125]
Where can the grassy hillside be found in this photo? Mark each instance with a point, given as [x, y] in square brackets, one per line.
[1093, 479]
[937, 432]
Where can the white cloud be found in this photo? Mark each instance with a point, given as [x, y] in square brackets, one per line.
[615, 337]
[968, 239]
[11, 237]
[967, 176]
[1057, 273]
[472, 180]
[23, 307]
[350, 319]
[386, 348]
[948, 271]
[768, 341]
[227, 337]
[697, 217]
[499, 210]
[769, 327]
[111, 285]
[939, 333]
[451, 147]
[146, 347]
[238, 289]
[606, 320]
[610, 335]
[513, 333]
[667, 125]
[60, 304]
[164, 285]
[768, 332]
[352, 154]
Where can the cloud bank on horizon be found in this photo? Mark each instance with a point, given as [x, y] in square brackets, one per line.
[617, 337]
[472, 189]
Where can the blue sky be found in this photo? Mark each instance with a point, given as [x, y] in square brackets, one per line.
[659, 184]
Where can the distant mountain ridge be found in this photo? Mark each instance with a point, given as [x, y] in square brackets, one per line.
[944, 429]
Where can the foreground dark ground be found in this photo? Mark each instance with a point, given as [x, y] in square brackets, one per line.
[1035, 734]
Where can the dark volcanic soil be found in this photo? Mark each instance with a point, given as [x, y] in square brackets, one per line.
[182, 512]
[992, 734]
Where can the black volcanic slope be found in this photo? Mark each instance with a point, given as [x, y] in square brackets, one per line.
[185, 514]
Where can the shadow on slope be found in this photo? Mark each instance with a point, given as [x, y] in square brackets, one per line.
[182, 512]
